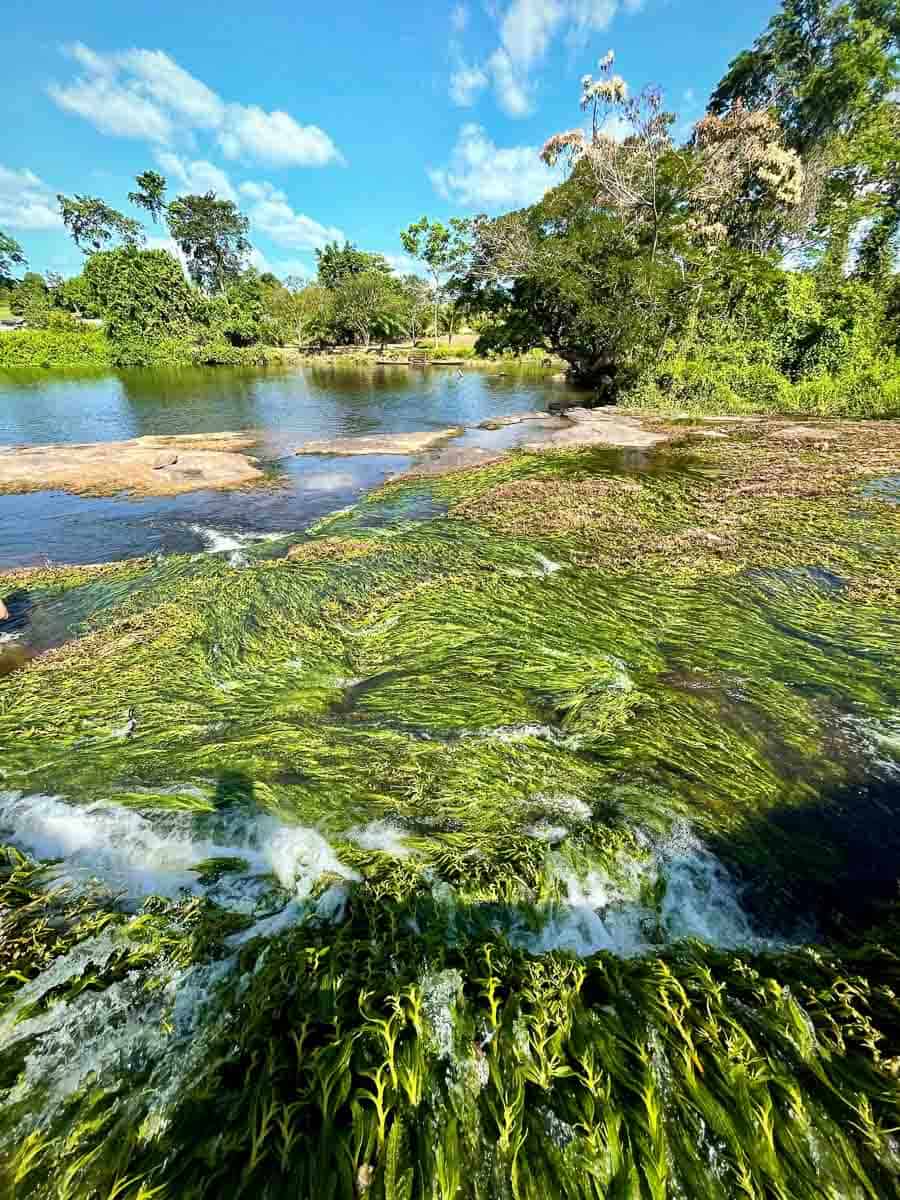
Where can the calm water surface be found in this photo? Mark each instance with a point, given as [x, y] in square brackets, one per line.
[287, 408]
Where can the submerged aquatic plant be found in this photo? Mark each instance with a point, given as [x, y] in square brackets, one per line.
[407, 865]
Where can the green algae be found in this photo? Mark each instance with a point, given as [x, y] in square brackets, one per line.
[487, 717]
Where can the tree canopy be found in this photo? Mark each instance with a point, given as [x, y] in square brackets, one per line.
[93, 224]
[212, 235]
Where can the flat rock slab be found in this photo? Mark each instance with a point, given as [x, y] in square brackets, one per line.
[600, 427]
[147, 466]
[388, 443]
[543, 420]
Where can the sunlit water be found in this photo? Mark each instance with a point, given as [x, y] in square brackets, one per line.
[285, 407]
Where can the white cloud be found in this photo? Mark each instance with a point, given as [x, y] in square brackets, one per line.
[528, 26]
[173, 87]
[146, 94]
[196, 177]
[403, 264]
[26, 202]
[616, 127]
[591, 16]
[466, 83]
[526, 31]
[113, 109]
[481, 175]
[510, 86]
[271, 214]
[275, 138]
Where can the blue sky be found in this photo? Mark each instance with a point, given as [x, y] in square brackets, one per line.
[342, 120]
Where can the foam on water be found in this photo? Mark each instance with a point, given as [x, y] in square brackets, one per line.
[877, 741]
[602, 911]
[233, 543]
[384, 835]
[152, 852]
[127, 1029]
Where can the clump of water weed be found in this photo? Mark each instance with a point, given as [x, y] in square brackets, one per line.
[436, 861]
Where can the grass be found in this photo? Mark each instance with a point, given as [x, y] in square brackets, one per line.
[500, 718]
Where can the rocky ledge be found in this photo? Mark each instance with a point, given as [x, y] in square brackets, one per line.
[145, 466]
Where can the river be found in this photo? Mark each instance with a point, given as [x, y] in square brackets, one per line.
[525, 833]
[286, 408]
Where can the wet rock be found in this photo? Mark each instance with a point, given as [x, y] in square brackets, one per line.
[541, 418]
[594, 427]
[388, 443]
[453, 460]
[583, 416]
[4, 612]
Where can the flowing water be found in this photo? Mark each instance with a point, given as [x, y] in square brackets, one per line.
[437, 859]
[286, 409]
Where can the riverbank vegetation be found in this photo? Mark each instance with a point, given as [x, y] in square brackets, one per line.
[745, 264]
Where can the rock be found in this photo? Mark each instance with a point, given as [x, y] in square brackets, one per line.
[104, 468]
[513, 419]
[560, 377]
[4, 612]
[583, 416]
[625, 435]
[388, 443]
[453, 460]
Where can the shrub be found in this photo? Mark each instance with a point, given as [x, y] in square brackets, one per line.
[704, 385]
[870, 391]
[54, 348]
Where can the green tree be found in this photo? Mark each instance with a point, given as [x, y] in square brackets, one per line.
[822, 66]
[336, 263]
[31, 299]
[212, 235]
[830, 72]
[93, 224]
[369, 304]
[443, 252]
[150, 194]
[416, 300]
[11, 257]
[143, 295]
[310, 311]
[575, 280]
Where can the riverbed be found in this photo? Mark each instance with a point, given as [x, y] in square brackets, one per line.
[530, 830]
[283, 409]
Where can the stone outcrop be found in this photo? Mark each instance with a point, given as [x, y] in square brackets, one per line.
[146, 466]
[387, 443]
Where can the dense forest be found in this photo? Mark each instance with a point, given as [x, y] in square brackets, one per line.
[749, 266]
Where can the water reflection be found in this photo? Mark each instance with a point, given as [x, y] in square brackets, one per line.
[286, 407]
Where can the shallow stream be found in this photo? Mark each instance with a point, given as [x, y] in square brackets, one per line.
[367, 843]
